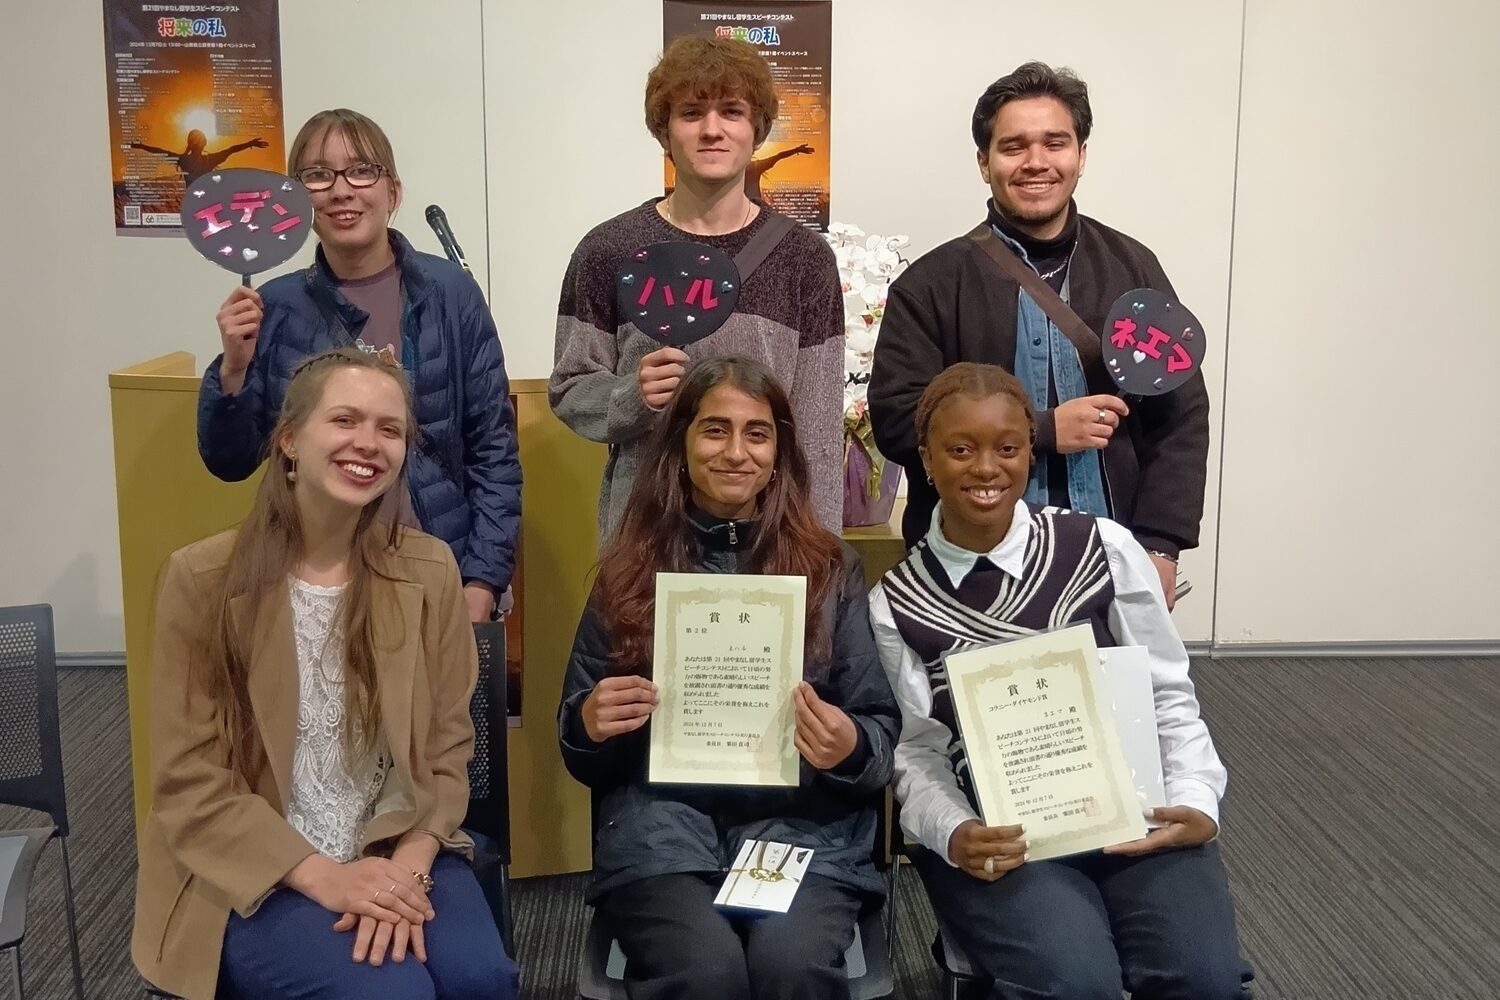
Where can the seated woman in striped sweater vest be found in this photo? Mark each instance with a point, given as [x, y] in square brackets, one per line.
[1153, 916]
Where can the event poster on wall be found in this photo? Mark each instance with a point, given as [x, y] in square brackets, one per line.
[790, 170]
[192, 87]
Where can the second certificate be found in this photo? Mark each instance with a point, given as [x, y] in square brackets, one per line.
[1041, 742]
[727, 657]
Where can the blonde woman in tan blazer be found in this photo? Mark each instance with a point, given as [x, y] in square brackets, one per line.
[310, 735]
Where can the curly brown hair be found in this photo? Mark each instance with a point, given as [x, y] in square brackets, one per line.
[709, 69]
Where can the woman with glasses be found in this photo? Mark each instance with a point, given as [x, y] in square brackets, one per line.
[368, 287]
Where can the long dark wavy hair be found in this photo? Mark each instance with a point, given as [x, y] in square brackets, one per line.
[657, 536]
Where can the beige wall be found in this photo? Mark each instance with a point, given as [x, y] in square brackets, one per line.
[1361, 467]
[905, 78]
[80, 302]
[525, 124]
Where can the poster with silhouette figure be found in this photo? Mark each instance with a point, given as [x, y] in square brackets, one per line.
[789, 171]
[192, 87]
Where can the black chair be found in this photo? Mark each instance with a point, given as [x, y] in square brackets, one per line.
[488, 818]
[960, 980]
[601, 967]
[31, 774]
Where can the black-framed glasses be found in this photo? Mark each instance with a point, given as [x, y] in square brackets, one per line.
[360, 175]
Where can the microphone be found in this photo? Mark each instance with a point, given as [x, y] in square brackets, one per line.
[439, 223]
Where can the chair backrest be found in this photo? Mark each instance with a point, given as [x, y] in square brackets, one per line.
[489, 784]
[885, 805]
[31, 771]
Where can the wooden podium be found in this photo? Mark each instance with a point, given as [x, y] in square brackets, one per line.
[167, 499]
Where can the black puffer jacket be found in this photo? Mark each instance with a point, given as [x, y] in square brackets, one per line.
[649, 829]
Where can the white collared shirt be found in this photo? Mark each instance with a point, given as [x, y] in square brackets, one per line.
[932, 804]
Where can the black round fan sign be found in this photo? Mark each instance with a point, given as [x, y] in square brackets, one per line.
[677, 292]
[1152, 343]
[246, 220]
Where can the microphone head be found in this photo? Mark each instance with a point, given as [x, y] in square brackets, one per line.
[434, 215]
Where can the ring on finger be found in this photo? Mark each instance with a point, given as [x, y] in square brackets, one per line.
[989, 865]
[1103, 416]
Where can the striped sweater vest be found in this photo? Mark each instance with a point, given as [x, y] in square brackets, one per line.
[1065, 581]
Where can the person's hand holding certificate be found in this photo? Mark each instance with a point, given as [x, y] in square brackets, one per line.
[988, 852]
[618, 705]
[1181, 826]
[825, 735]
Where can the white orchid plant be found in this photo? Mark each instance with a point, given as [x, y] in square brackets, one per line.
[867, 266]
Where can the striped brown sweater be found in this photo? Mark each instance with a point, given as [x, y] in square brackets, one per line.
[789, 316]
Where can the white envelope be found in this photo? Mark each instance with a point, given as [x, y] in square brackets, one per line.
[1127, 678]
[766, 875]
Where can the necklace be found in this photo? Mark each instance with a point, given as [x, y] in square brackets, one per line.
[1061, 267]
[748, 205]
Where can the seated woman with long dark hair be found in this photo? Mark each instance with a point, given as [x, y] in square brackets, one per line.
[723, 488]
[310, 734]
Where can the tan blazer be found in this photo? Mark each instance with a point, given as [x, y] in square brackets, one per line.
[214, 842]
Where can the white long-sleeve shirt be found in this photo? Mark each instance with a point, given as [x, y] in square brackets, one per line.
[932, 804]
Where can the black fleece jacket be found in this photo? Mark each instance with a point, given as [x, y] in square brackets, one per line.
[955, 304]
[645, 829]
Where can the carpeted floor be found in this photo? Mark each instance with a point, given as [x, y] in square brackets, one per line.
[1362, 832]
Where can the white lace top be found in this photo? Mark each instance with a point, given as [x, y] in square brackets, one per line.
[332, 797]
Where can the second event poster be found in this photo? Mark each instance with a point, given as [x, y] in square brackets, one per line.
[790, 170]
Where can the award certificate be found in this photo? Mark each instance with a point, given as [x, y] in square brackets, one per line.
[727, 657]
[1041, 742]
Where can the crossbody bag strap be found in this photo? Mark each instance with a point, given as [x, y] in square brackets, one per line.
[1084, 340]
[755, 252]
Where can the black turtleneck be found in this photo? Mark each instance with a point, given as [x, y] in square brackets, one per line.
[1047, 256]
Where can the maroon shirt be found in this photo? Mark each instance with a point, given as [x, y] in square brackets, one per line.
[379, 296]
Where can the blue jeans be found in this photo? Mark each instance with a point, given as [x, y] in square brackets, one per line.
[288, 950]
[1081, 928]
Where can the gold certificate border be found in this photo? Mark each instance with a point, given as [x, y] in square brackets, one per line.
[966, 684]
[770, 760]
